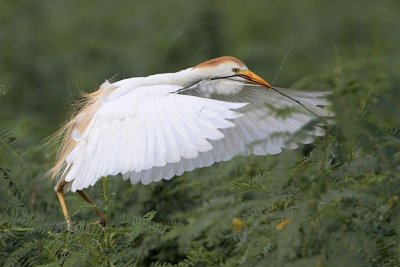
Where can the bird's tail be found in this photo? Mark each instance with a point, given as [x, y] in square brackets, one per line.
[82, 114]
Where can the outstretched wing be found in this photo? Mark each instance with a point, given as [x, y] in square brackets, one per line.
[151, 133]
[148, 128]
[270, 123]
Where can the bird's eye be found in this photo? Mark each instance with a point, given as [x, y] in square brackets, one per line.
[235, 70]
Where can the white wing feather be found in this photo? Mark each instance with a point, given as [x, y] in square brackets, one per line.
[146, 129]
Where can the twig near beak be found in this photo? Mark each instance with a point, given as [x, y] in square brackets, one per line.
[298, 102]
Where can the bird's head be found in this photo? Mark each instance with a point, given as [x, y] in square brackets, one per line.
[228, 71]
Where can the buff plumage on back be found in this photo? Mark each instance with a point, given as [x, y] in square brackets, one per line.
[81, 118]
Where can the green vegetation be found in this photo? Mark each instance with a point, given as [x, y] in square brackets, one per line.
[332, 203]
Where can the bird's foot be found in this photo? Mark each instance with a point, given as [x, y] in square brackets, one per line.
[70, 229]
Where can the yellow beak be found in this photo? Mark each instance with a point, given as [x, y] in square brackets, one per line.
[251, 76]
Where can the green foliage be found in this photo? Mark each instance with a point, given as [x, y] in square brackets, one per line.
[11, 150]
[332, 203]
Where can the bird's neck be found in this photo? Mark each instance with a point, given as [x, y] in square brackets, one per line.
[182, 78]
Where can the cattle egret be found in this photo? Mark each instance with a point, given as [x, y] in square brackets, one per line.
[156, 127]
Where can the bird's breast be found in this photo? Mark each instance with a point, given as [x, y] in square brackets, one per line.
[222, 87]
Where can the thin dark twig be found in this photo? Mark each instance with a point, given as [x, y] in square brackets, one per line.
[298, 102]
[185, 88]
[272, 88]
[189, 86]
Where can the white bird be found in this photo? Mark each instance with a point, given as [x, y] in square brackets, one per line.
[156, 127]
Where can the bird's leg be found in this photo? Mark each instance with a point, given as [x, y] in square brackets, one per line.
[99, 213]
[60, 194]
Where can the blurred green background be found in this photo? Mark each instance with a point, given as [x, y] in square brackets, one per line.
[52, 50]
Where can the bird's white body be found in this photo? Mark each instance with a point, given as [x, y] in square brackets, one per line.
[156, 127]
